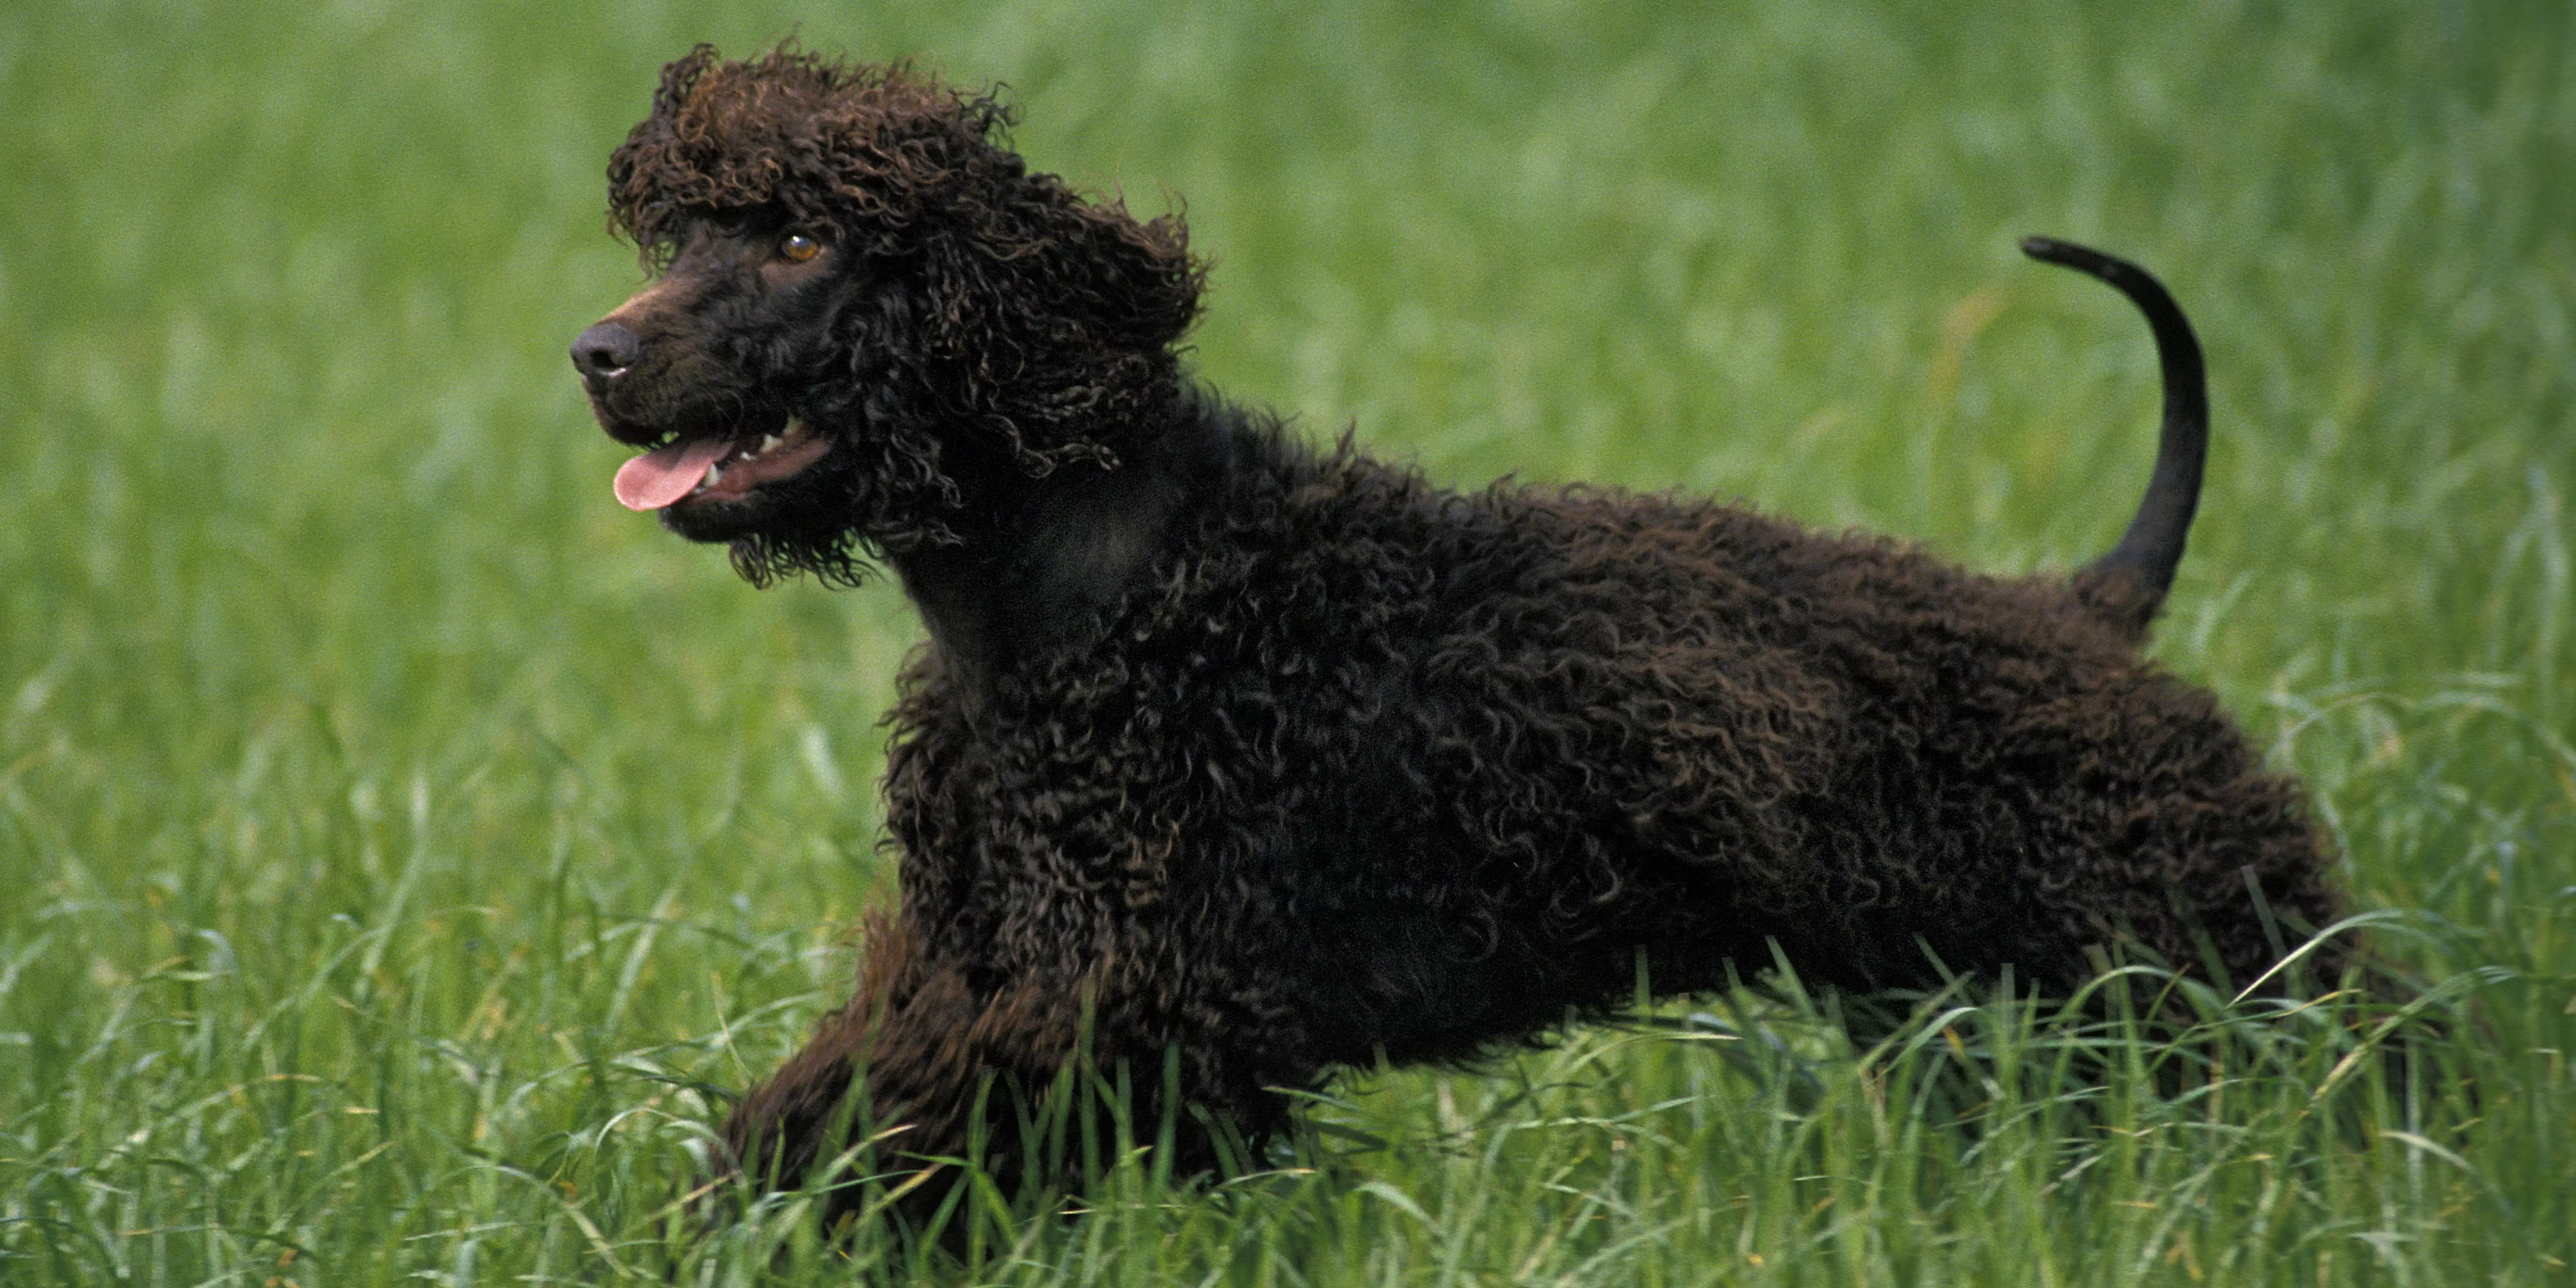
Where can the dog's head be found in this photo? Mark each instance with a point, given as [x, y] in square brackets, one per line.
[868, 313]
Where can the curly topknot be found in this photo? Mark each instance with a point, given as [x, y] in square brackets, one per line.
[817, 141]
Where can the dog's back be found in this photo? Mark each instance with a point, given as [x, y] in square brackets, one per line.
[1427, 768]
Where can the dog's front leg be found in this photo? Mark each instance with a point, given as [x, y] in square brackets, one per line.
[926, 1045]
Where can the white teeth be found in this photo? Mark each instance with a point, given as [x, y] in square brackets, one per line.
[714, 472]
[768, 441]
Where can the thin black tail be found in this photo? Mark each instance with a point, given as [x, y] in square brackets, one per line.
[2128, 585]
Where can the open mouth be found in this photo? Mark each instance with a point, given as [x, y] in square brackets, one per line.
[706, 469]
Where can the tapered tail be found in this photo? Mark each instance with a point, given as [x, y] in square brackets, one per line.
[2128, 585]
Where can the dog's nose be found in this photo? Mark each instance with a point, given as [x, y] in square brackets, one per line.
[603, 353]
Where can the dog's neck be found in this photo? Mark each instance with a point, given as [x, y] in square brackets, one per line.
[1039, 558]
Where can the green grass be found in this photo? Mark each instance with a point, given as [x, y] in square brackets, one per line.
[394, 833]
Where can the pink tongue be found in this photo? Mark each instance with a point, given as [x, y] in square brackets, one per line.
[656, 479]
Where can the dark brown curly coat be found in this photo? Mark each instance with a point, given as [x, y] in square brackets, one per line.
[1285, 759]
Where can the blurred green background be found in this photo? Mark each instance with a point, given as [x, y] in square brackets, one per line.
[392, 827]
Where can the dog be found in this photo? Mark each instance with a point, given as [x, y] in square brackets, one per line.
[1274, 758]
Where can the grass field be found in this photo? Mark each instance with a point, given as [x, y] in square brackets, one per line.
[396, 835]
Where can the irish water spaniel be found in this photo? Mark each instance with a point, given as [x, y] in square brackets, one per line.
[1284, 759]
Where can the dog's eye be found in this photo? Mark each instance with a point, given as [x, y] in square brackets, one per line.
[799, 247]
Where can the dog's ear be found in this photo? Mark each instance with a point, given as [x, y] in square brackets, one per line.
[1038, 261]
[1146, 289]
[1057, 317]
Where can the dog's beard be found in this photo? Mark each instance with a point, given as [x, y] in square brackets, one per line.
[800, 524]
[763, 558]
[876, 494]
